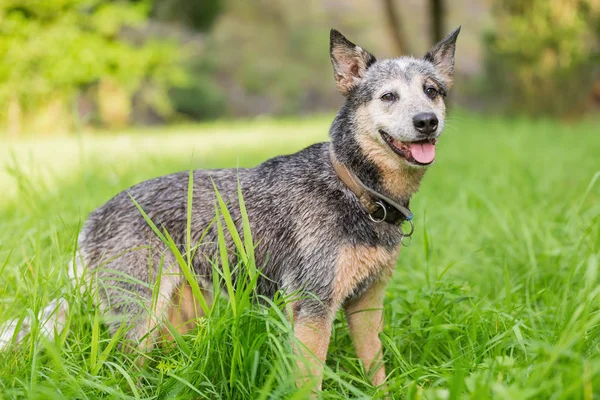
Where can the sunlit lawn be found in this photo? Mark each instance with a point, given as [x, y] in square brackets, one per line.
[497, 297]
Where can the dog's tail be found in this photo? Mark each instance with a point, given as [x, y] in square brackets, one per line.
[51, 320]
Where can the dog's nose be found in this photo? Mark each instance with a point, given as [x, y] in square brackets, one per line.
[426, 122]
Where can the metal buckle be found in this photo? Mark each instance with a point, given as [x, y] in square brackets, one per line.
[377, 221]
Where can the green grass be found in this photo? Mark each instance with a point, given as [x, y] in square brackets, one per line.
[497, 297]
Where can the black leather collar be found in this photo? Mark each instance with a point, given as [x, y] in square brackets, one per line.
[379, 207]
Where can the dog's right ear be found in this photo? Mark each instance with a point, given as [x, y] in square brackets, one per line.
[349, 61]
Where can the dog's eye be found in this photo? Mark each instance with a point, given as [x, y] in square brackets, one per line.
[431, 92]
[388, 97]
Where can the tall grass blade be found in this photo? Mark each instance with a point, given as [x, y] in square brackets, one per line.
[231, 228]
[185, 268]
[248, 241]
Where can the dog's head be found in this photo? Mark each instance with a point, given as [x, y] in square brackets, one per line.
[399, 104]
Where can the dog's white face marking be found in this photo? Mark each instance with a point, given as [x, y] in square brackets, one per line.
[399, 95]
[396, 117]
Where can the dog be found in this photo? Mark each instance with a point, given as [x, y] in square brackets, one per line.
[329, 220]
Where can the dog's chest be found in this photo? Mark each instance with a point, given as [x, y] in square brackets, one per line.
[359, 266]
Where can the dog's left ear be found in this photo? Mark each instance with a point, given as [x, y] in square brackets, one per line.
[442, 57]
[349, 61]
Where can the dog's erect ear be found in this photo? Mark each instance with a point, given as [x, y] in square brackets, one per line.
[349, 61]
[442, 56]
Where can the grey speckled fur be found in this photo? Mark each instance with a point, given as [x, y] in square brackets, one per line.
[301, 214]
[290, 200]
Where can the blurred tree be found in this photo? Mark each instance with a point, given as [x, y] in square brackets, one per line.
[199, 15]
[51, 50]
[543, 55]
[270, 56]
[436, 12]
[395, 26]
[201, 98]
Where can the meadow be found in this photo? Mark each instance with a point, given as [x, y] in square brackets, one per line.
[498, 295]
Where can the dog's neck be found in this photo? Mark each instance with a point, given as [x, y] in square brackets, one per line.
[376, 166]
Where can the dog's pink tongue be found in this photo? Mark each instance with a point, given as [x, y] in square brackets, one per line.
[423, 152]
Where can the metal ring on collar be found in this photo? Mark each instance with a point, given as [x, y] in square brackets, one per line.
[412, 228]
[377, 221]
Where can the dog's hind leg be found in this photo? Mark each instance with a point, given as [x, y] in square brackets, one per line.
[134, 291]
[176, 309]
[365, 318]
[184, 310]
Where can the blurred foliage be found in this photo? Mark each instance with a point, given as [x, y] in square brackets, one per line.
[201, 98]
[198, 14]
[543, 55]
[51, 50]
[264, 57]
[71, 63]
[272, 56]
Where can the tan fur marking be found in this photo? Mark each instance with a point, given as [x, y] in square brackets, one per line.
[399, 180]
[356, 263]
[180, 311]
[185, 309]
[313, 336]
[150, 331]
[365, 319]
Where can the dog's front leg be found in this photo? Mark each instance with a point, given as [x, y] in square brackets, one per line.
[365, 319]
[312, 340]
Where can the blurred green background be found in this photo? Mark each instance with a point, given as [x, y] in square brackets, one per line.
[73, 65]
